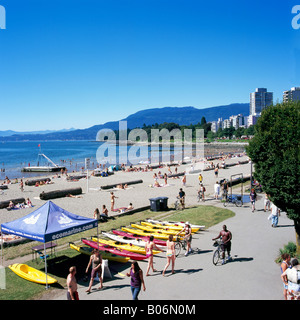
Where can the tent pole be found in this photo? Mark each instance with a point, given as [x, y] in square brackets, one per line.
[98, 234]
[45, 258]
[2, 248]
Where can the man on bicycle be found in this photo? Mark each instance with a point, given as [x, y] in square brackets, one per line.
[226, 237]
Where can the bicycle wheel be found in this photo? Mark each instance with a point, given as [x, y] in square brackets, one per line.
[238, 203]
[216, 257]
[177, 248]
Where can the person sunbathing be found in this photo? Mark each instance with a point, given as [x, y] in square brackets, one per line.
[130, 207]
[72, 196]
[11, 205]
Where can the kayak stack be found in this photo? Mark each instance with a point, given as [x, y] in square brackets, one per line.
[129, 242]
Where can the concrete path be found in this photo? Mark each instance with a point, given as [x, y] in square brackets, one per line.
[252, 274]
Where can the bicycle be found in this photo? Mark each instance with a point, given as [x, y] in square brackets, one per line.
[235, 200]
[181, 244]
[199, 196]
[178, 205]
[217, 256]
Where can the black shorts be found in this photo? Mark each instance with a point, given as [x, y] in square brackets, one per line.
[226, 246]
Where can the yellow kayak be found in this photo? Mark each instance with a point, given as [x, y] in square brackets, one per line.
[124, 246]
[31, 274]
[170, 227]
[157, 234]
[105, 255]
[155, 229]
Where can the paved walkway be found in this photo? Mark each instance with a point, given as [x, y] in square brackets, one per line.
[252, 274]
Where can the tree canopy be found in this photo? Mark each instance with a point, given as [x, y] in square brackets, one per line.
[275, 153]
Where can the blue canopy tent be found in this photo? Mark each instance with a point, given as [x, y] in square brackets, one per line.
[47, 223]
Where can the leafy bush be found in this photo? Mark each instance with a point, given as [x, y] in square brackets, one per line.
[290, 249]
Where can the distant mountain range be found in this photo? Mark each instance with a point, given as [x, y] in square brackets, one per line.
[180, 115]
[7, 133]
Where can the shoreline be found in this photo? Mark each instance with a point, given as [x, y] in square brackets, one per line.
[93, 196]
[210, 150]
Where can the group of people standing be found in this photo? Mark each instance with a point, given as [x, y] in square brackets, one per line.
[290, 275]
[135, 273]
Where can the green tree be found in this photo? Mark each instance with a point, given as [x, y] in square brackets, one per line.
[203, 121]
[275, 153]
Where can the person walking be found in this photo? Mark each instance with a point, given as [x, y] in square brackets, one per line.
[201, 192]
[182, 198]
[252, 199]
[291, 278]
[137, 280]
[275, 213]
[72, 293]
[170, 254]
[226, 237]
[200, 178]
[22, 185]
[225, 190]
[286, 258]
[216, 172]
[184, 180]
[96, 262]
[149, 246]
[217, 190]
[267, 203]
[166, 179]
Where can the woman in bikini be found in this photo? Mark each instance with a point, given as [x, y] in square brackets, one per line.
[170, 254]
[112, 201]
[149, 246]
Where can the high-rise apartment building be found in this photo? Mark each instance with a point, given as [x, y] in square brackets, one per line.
[259, 100]
[291, 95]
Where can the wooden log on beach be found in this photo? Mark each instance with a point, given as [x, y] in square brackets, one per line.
[60, 193]
[111, 186]
[76, 177]
[176, 175]
[5, 204]
[156, 166]
[33, 182]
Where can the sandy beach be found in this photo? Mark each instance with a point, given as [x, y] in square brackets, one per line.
[93, 197]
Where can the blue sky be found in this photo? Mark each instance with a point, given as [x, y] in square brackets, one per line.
[79, 63]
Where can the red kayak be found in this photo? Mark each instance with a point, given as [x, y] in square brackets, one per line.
[135, 236]
[114, 250]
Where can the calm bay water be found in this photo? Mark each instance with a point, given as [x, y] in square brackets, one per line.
[71, 154]
[15, 155]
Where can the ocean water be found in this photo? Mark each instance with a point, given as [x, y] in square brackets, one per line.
[71, 154]
[15, 155]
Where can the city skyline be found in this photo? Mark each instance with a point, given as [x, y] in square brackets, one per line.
[64, 64]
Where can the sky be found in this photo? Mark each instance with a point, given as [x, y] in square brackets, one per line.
[78, 63]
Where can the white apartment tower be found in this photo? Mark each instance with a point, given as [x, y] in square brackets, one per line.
[291, 95]
[259, 100]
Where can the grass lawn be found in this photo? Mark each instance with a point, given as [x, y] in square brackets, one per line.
[20, 289]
